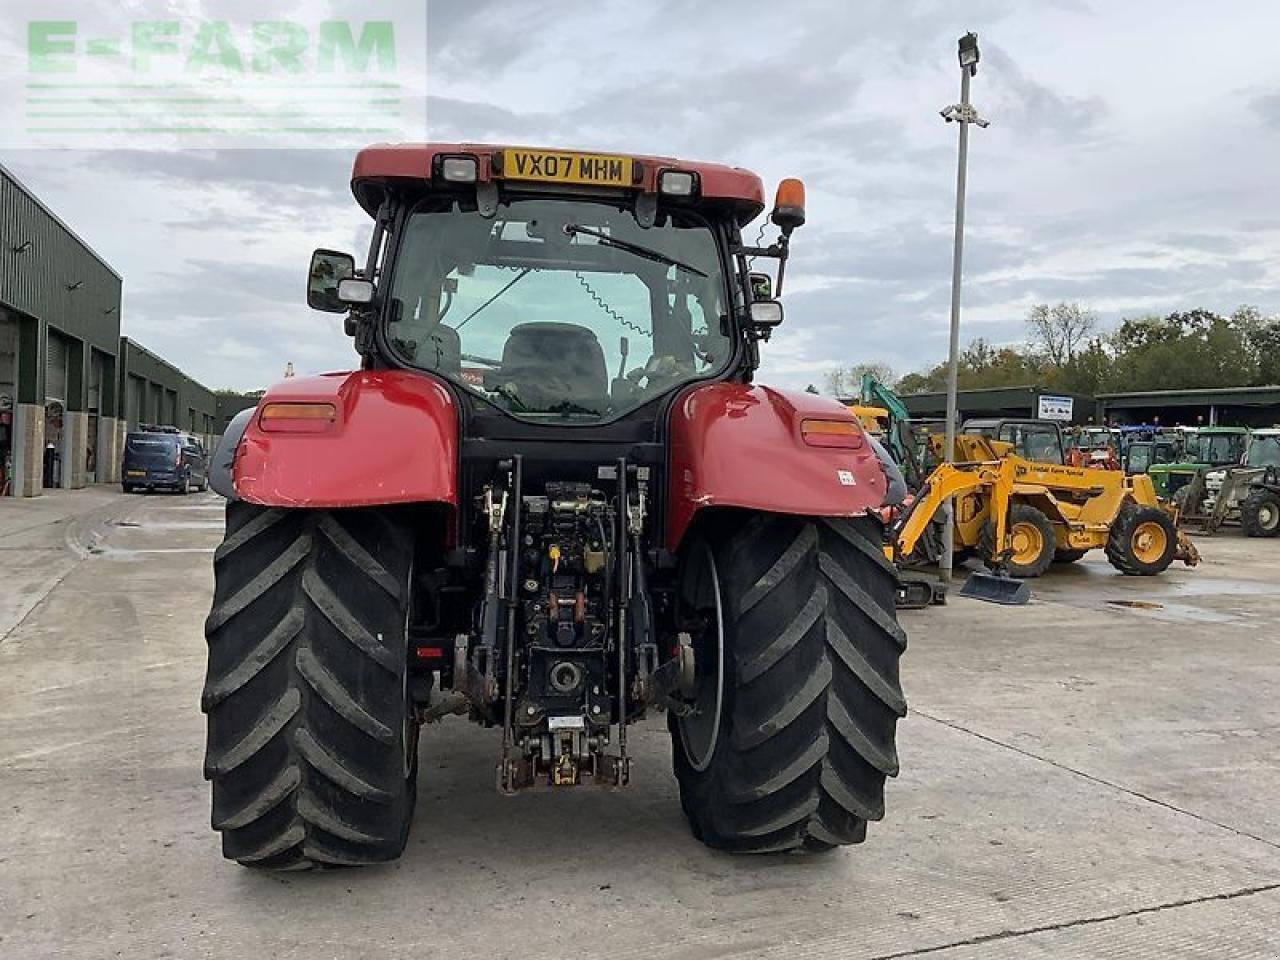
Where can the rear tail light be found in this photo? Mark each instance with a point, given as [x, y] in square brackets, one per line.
[297, 417]
[846, 434]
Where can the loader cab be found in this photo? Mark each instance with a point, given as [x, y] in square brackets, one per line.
[1264, 449]
[1036, 440]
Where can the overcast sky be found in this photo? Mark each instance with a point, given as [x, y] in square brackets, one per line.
[1131, 164]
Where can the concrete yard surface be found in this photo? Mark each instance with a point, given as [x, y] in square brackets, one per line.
[1093, 775]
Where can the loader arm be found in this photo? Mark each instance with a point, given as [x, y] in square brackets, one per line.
[948, 481]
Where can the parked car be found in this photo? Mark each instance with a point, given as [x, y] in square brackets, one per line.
[163, 459]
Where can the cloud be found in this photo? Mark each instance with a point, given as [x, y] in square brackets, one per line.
[1034, 109]
[1267, 107]
[1111, 174]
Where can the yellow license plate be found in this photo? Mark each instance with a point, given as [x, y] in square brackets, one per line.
[137, 473]
[583, 168]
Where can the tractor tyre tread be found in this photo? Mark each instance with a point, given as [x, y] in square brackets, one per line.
[305, 691]
[812, 696]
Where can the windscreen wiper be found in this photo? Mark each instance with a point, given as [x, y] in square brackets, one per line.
[519, 276]
[572, 229]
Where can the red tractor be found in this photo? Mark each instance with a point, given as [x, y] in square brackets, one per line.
[550, 499]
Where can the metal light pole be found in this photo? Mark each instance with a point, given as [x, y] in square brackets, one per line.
[963, 114]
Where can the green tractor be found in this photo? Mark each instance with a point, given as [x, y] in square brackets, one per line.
[1205, 448]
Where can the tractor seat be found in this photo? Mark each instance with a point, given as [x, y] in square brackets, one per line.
[547, 365]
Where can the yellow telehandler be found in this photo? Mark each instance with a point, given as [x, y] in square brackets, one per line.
[1020, 515]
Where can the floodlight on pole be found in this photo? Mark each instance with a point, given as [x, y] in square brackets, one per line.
[969, 55]
[963, 114]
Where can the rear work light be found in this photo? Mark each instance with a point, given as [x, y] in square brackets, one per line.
[459, 169]
[846, 434]
[297, 417]
[677, 183]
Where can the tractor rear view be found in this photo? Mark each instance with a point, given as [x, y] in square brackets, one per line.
[550, 500]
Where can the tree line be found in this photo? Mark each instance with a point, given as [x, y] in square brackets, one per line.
[1066, 350]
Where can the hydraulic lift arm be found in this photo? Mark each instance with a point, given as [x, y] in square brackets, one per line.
[947, 481]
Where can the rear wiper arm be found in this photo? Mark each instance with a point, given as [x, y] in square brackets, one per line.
[634, 248]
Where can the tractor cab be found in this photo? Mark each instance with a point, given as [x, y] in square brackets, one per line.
[1204, 448]
[1264, 449]
[1141, 455]
[558, 288]
[1038, 440]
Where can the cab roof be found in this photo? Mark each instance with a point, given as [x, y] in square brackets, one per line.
[382, 167]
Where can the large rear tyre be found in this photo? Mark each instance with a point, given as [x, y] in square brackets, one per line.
[797, 645]
[1142, 541]
[312, 745]
[1260, 514]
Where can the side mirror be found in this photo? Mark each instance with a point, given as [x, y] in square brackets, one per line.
[765, 315]
[761, 286]
[329, 269]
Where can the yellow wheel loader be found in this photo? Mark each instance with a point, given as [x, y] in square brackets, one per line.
[1019, 516]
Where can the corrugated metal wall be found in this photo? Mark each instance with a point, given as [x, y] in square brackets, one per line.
[170, 395]
[135, 400]
[97, 379]
[55, 368]
[56, 279]
[48, 273]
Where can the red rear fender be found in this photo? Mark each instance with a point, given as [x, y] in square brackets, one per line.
[740, 445]
[394, 439]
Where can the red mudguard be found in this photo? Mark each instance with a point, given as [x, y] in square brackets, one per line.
[394, 440]
[740, 445]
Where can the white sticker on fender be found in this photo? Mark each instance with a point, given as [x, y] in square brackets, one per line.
[846, 478]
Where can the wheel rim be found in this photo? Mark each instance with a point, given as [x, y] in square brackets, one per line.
[1028, 543]
[1268, 516]
[1149, 542]
[701, 599]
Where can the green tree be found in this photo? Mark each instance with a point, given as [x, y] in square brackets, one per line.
[1185, 350]
[1091, 370]
[981, 365]
[1264, 341]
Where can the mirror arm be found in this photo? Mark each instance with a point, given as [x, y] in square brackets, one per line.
[784, 245]
[779, 251]
[776, 250]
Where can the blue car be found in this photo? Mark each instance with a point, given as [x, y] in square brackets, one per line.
[160, 459]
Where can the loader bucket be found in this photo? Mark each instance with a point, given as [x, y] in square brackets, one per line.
[994, 588]
[1186, 551]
